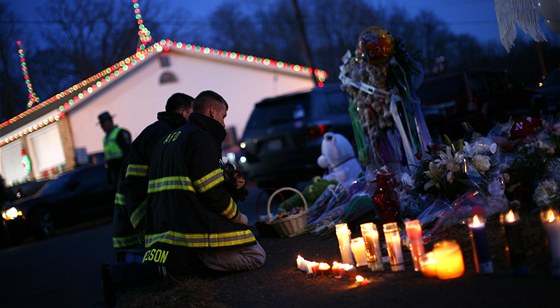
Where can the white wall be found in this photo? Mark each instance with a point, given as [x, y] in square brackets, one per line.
[136, 98]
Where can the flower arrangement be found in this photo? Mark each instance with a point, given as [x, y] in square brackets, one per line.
[515, 166]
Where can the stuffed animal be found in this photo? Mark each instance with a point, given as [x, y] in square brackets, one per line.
[311, 192]
[338, 157]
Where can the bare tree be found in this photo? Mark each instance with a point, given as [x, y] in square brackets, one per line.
[13, 99]
[232, 29]
[90, 36]
[336, 29]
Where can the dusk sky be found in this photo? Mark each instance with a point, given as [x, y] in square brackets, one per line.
[476, 17]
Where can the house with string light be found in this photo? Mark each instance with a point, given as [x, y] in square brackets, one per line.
[60, 132]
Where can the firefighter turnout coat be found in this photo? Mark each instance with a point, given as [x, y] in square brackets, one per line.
[188, 207]
[130, 199]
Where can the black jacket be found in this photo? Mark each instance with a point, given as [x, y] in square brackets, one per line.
[188, 204]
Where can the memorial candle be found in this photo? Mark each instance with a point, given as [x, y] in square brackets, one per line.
[428, 264]
[515, 249]
[449, 259]
[324, 269]
[551, 221]
[343, 235]
[481, 249]
[373, 248]
[336, 269]
[361, 281]
[414, 234]
[312, 267]
[300, 261]
[394, 249]
[359, 251]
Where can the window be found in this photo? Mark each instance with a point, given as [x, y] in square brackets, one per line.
[167, 77]
[164, 61]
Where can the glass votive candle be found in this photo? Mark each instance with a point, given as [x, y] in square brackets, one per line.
[416, 243]
[373, 248]
[359, 251]
[550, 220]
[515, 248]
[449, 259]
[394, 249]
[481, 248]
[344, 235]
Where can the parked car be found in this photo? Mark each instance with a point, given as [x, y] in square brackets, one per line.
[282, 139]
[74, 196]
[15, 192]
[550, 92]
[22, 190]
[480, 97]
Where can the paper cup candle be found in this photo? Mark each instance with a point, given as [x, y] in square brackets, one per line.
[481, 249]
[343, 235]
[373, 248]
[394, 249]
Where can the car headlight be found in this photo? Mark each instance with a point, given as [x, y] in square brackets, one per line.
[11, 213]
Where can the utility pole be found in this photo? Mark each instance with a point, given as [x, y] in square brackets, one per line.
[304, 41]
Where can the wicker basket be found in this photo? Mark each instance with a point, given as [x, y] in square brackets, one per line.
[292, 225]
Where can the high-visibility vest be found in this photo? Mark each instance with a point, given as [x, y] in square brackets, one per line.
[111, 148]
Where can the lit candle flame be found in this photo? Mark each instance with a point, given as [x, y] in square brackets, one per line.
[550, 216]
[361, 280]
[476, 222]
[510, 217]
[324, 266]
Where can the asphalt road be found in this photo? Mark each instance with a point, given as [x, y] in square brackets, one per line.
[58, 272]
[64, 271]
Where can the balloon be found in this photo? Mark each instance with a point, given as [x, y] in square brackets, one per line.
[554, 26]
[550, 9]
[375, 46]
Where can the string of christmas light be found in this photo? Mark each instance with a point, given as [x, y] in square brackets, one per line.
[143, 32]
[81, 90]
[32, 128]
[33, 98]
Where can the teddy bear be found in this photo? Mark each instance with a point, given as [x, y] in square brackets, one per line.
[338, 157]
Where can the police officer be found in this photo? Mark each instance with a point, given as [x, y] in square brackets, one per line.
[116, 145]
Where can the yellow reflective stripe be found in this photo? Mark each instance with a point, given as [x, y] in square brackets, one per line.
[170, 183]
[231, 210]
[210, 180]
[136, 170]
[201, 240]
[111, 148]
[125, 241]
[138, 214]
[119, 199]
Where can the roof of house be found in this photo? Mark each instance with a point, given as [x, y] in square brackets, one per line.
[72, 96]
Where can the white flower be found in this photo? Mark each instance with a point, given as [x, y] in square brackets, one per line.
[546, 192]
[433, 171]
[481, 163]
